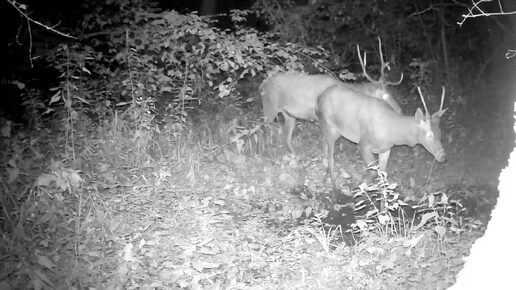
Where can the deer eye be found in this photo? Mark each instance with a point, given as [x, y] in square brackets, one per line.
[429, 135]
[385, 96]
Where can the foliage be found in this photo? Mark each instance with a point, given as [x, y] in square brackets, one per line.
[180, 59]
[116, 191]
[106, 16]
[157, 66]
[287, 26]
[380, 209]
[34, 211]
[141, 72]
[441, 213]
[411, 32]
[381, 212]
[113, 224]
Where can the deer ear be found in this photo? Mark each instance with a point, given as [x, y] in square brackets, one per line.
[419, 115]
[439, 114]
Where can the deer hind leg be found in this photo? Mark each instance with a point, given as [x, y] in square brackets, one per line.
[270, 112]
[290, 123]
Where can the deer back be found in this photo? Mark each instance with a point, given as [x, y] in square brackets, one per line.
[379, 91]
[373, 123]
[293, 93]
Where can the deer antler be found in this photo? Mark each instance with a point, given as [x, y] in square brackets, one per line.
[383, 64]
[363, 63]
[423, 100]
[386, 65]
[442, 99]
[382, 80]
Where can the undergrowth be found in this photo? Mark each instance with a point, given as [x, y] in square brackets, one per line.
[117, 184]
[125, 194]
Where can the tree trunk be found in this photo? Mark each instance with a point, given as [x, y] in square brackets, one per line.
[444, 44]
[208, 7]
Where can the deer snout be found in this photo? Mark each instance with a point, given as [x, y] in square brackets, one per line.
[440, 156]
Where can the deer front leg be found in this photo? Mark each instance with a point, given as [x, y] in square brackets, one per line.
[368, 157]
[329, 137]
[383, 159]
[290, 123]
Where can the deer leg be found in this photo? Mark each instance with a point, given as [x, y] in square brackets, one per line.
[368, 157]
[290, 123]
[328, 139]
[330, 144]
[269, 114]
[383, 158]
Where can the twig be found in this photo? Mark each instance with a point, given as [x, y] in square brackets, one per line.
[19, 8]
[321, 65]
[418, 13]
[475, 11]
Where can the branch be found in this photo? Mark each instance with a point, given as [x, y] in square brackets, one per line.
[475, 11]
[417, 13]
[22, 7]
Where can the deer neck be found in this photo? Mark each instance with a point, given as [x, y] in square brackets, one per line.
[405, 132]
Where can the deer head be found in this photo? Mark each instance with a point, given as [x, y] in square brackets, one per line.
[382, 82]
[429, 130]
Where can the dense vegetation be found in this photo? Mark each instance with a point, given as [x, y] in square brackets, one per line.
[135, 155]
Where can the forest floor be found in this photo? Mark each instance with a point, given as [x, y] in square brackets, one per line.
[219, 219]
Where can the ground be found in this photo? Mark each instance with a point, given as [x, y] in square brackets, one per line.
[229, 217]
[240, 221]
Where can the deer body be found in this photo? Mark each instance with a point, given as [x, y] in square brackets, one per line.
[374, 126]
[378, 91]
[295, 96]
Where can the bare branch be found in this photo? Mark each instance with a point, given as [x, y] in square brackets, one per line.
[21, 8]
[417, 13]
[476, 11]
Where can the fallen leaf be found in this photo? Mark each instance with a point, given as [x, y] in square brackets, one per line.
[45, 261]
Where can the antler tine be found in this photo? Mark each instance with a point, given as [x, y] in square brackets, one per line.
[363, 63]
[396, 83]
[383, 64]
[423, 100]
[381, 52]
[386, 65]
[442, 99]
[360, 57]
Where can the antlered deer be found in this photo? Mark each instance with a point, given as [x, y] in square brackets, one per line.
[295, 94]
[377, 88]
[374, 125]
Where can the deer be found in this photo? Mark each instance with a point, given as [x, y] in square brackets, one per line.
[377, 88]
[374, 126]
[295, 94]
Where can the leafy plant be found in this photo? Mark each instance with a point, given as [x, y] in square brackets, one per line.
[441, 213]
[420, 74]
[169, 61]
[383, 210]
